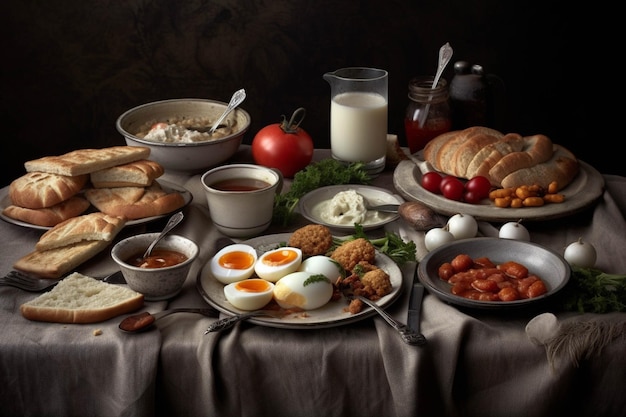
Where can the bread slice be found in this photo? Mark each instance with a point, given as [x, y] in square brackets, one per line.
[86, 161]
[134, 174]
[37, 190]
[477, 139]
[92, 226]
[55, 263]
[488, 156]
[82, 299]
[135, 202]
[49, 216]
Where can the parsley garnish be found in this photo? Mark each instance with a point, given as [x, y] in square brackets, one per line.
[590, 290]
[319, 174]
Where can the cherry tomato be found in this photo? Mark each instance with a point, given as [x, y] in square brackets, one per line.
[284, 146]
[452, 188]
[471, 197]
[479, 185]
[431, 181]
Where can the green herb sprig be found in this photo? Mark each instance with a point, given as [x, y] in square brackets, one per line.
[319, 174]
[591, 290]
[391, 245]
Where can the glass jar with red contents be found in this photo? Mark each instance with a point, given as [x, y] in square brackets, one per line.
[428, 112]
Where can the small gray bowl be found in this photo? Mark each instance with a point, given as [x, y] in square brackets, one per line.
[155, 283]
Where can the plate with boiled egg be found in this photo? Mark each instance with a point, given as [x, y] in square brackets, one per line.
[263, 271]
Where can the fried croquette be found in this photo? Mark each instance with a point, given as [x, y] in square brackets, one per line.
[376, 283]
[312, 239]
[354, 251]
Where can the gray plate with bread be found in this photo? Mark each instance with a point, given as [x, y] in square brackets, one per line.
[586, 187]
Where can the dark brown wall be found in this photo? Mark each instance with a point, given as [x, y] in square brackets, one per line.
[70, 68]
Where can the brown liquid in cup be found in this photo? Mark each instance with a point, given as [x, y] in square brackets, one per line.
[240, 184]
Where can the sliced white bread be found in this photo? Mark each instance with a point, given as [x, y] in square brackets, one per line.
[86, 161]
[82, 299]
[134, 174]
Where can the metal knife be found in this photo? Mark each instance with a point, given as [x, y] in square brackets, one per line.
[415, 306]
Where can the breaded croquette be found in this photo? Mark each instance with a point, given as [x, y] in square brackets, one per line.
[312, 239]
[354, 251]
[376, 283]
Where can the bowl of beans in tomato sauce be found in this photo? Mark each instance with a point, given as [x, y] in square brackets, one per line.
[493, 273]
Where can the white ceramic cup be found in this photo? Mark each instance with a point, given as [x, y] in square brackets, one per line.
[241, 212]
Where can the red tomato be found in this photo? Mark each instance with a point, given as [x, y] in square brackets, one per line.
[479, 185]
[452, 188]
[431, 181]
[284, 146]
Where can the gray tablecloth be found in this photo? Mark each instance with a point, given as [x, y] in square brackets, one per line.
[474, 364]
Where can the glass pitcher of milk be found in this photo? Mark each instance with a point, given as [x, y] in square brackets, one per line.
[358, 116]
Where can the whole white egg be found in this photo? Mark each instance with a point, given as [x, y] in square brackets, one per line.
[249, 294]
[303, 290]
[233, 263]
[276, 263]
[320, 264]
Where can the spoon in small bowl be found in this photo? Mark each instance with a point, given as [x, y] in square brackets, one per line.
[171, 223]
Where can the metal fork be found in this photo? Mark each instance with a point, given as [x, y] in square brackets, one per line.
[407, 334]
[27, 283]
[30, 283]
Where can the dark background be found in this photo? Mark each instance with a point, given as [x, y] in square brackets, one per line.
[71, 67]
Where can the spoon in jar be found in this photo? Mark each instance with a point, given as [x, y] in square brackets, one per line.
[238, 97]
[445, 54]
[171, 223]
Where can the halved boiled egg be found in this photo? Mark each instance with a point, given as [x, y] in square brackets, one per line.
[249, 294]
[233, 263]
[303, 290]
[320, 264]
[276, 263]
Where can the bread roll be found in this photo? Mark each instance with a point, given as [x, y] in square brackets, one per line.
[134, 174]
[86, 161]
[536, 149]
[49, 216]
[92, 226]
[82, 299]
[55, 263]
[37, 190]
[134, 202]
[562, 168]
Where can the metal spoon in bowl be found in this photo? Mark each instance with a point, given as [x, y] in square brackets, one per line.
[171, 223]
[238, 97]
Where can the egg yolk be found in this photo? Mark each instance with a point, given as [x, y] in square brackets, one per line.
[236, 260]
[280, 257]
[252, 285]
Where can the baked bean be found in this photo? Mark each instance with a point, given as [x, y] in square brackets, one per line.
[484, 262]
[536, 289]
[445, 271]
[485, 285]
[501, 193]
[554, 198]
[460, 288]
[514, 269]
[533, 202]
[516, 203]
[502, 202]
[462, 262]
[553, 187]
[508, 294]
